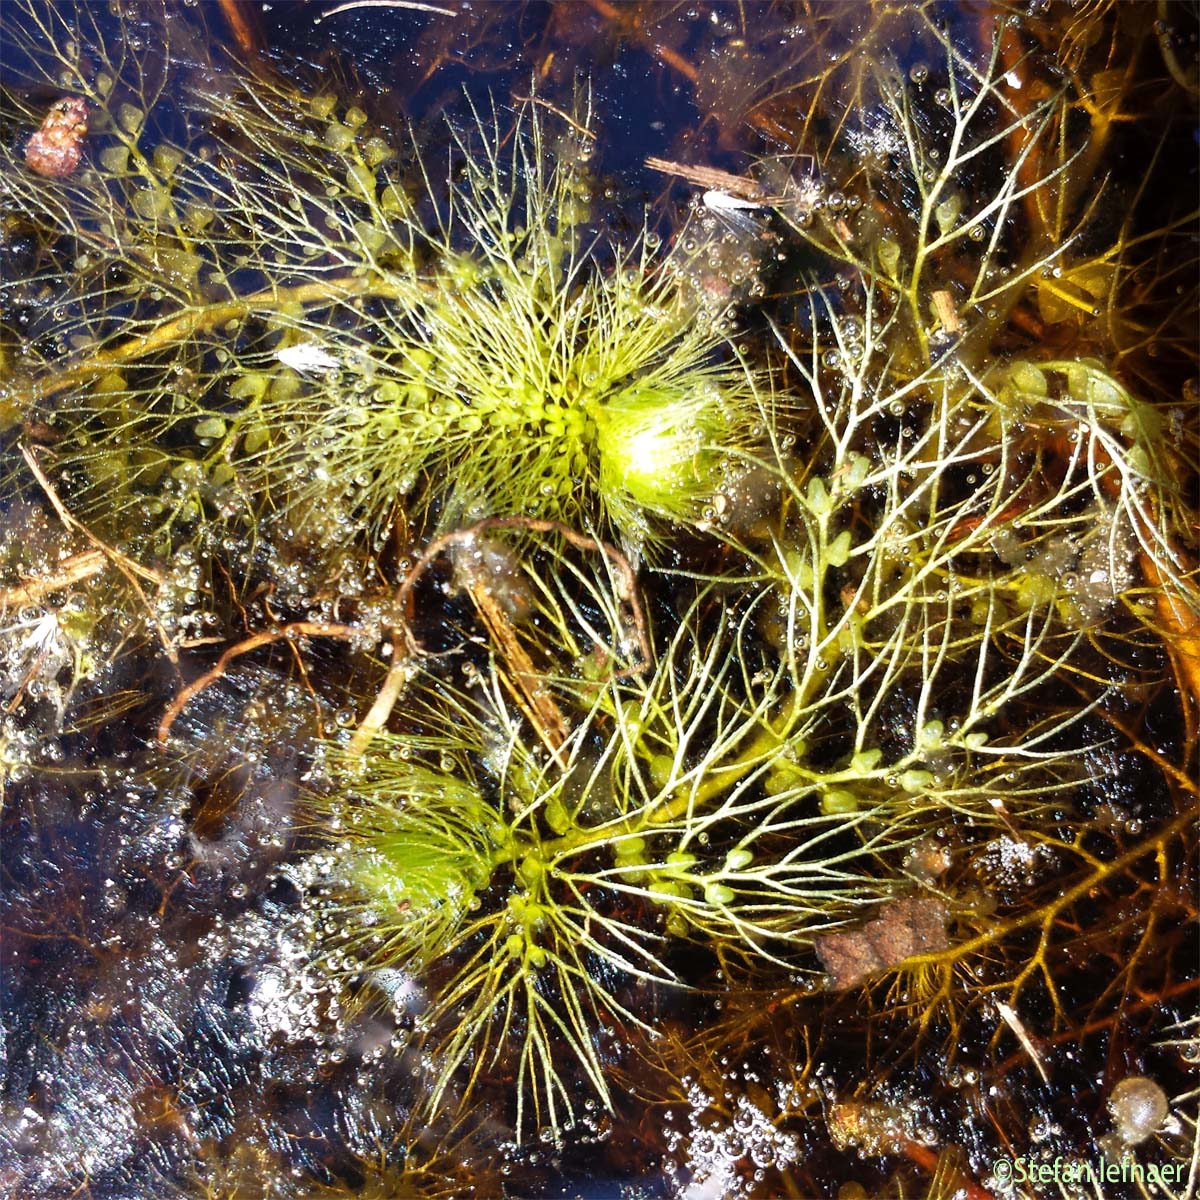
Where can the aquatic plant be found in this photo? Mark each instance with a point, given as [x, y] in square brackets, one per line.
[949, 239]
[862, 737]
[291, 307]
[886, 658]
[524, 882]
[756, 784]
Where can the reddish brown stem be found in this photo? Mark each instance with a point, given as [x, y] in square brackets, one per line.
[927, 1160]
[264, 638]
[628, 591]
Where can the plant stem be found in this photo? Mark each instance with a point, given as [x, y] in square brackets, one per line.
[198, 320]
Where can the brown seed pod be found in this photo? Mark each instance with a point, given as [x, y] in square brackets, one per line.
[56, 148]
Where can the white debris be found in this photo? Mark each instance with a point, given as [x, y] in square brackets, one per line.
[724, 202]
[307, 357]
[42, 635]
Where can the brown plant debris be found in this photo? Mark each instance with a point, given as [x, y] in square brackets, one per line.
[902, 929]
[56, 148]
[35, 589]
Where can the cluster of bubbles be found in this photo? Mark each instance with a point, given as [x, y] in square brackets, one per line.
[730, 1143]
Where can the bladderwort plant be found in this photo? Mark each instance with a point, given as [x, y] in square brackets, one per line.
[543, 379]
[292, 314]
[755, 786]
[966, 208]
[887, 662]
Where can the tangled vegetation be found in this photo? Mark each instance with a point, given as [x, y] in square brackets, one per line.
[258, 269]
[569, 626]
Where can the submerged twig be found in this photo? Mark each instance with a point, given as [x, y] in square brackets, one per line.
[665, 54]
[415, 5]
[244, 24]
[122, 561]
[1008, 1013]
[708, 177]
[397, 679]
[1178, 608]
[263, 638]
[75, 569]
[126, 565]
[628, 592]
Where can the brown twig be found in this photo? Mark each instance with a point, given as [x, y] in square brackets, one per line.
[1178, 606]
[524, 682]
[628, 592]
[946, 312]
[263, 638]
[126, 565]
[405, 647]
[244, 24]
[72, 570]
[73, 522]
[15, 703]
[708, 177]
[672, 58]
[1022, 134]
